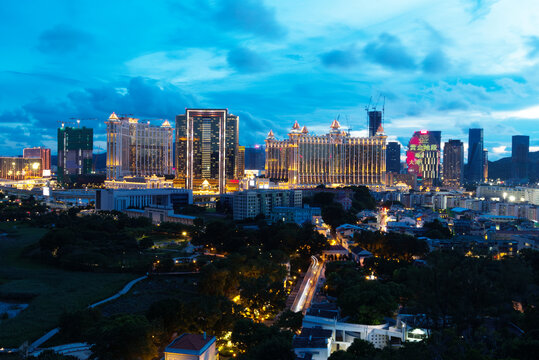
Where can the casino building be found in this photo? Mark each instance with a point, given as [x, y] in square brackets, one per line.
[423, 157]
[336, 158]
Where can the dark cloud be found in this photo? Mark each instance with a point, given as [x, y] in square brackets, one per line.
[62, 39]
[388, 51]
[339, 58]
[435, 62]
[246, 61]
[533, 43]
[249, 16]
[453, 105]
[144, 98]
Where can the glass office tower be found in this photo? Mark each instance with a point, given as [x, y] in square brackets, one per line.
[476, 162]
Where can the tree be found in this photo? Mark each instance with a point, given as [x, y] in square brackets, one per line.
[290, 320]
[123, 337]
[53, 355]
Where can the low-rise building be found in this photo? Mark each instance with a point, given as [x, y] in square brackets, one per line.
[298, 215]
[248, 204]
[121, 200]
[192, 347]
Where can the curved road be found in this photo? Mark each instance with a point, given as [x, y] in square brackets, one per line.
[55, 331]
[308, 286]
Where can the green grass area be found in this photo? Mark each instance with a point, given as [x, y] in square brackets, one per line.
[50, 291]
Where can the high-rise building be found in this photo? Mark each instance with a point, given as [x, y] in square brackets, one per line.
[334, 158]
[393, 157]
[136, 148]
[75, 148]
[485, 165]
[39, 153]
[240, 162]
[453, 163]
[255, 158]
[520, 156]
[18, 168]
[475, 167]
[375, 120]
[423, 157]
[206, 149]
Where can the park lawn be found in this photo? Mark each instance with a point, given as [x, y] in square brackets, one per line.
[50, 291]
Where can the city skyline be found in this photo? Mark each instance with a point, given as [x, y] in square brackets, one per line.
[432, 64]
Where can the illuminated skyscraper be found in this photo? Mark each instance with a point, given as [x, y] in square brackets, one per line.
[453, 163]
[39, 153]
[75, 151]
[423, 156]
[334, 158]
[520, 156]
[393, 157]
[136, 148]
[255, 157]
[475, 171]
[240, 162]
[206, 149]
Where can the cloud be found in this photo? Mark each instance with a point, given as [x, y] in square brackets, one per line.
[62, 39]
[502, 149]
[388, 51]
[533, 43]
[479, 8]
[435, 62]
[246, 61]
[339, 58]
[249, 16]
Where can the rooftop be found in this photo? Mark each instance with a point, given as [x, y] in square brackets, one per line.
[190, 344]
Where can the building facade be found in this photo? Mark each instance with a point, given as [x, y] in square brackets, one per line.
[453, 163]
[251, 203]
[334, 158]
[255, 158]
[206, 149]
[75, 151]
[18, 168]
[423, 157]
[393, 157]
[136, 148]
[375, 121]
[520, 156]
[475, 167]
[39, 153]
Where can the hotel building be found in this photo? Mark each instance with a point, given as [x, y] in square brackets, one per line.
[336, 158]
[207, 150]
[18, 168]
[453, 163]
[39, 153]
[136, 148]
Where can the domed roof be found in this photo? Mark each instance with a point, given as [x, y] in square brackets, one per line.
[295, 126]
[304, 130]
[335, 125]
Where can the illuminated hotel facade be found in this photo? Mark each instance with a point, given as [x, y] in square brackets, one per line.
[18, 168]
[137, 148]
[334, 159]
[423, 157]
[207, 150]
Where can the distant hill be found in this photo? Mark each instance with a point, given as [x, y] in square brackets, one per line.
[100, 161]
[501, 169]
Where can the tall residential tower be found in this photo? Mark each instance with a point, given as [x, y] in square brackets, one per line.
[520, 154]
[393, 157]
[453, 163]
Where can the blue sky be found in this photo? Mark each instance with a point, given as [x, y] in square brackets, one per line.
[441, 65]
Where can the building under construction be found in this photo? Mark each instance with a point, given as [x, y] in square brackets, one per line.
[336, 158]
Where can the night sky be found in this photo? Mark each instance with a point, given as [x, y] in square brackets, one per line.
[441, 65]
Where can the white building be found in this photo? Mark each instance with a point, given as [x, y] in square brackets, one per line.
[192, 347]
[121, 200]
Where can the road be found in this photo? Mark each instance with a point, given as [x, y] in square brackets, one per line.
[308, 286]
[55, 331]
